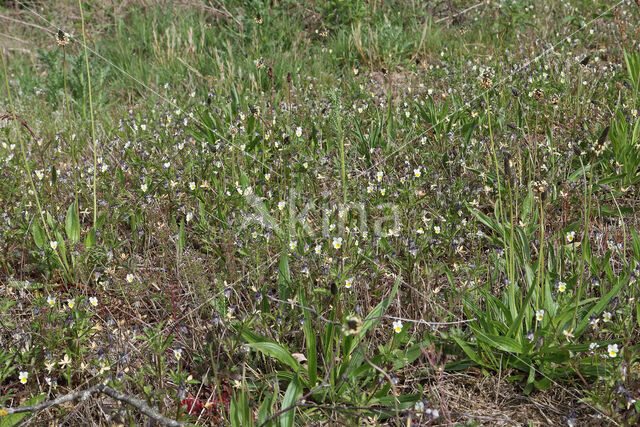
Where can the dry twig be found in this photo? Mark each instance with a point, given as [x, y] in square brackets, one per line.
[96, 389]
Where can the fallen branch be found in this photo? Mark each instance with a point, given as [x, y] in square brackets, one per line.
[96, 389]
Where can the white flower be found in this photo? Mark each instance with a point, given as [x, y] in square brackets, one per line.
[436, 229]
[318, 249]
[298, 131]
[397, 326]
[571, 236]
[337, 242]
[53, 244]
[348, 283]
[612, 350]
[177, 353]
[71, 302]
[93, 301]
[420, 230]
[379, 176]
[144, 188]
[130, 278]
[539, 315]
[23, 377]
[562, 286]
[267, 176]
[51, 301]
[282, 204]
[417, 172]
[593, 346]
[192, 186]
[189, 216]
[293, 244]
[606, 316]
[39, 174]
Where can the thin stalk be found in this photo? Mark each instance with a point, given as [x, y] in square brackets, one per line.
[541, 255]
[64, 78]
[587, 215]
[343, 169]
[72, 145]
[93, 126]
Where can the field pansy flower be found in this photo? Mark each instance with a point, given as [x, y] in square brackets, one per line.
[71, 302]
[130, 278]
[539, 315]
[53, 244]
[23, 377]
[612, 350]
[571, 236]
[51, 301]
[348, 283]
[337, 242]
[562, 287]
[93, 301]
[397, 326]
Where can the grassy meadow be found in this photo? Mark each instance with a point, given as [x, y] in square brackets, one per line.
[341, 212]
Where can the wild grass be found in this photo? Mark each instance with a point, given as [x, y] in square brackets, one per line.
[345, 212]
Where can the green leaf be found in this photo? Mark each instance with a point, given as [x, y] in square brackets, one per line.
[293, 393]
[38, 234]
[62, 248]
[90, 238]
[277, 352]
[404, 401]
[501, 343]
[284, 275]
[265, 409]
[72, 224]
[14, 419]
[239, 410]
[468, 351]
[310, 338]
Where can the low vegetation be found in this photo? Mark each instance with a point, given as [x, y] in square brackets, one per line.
[297, 213]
